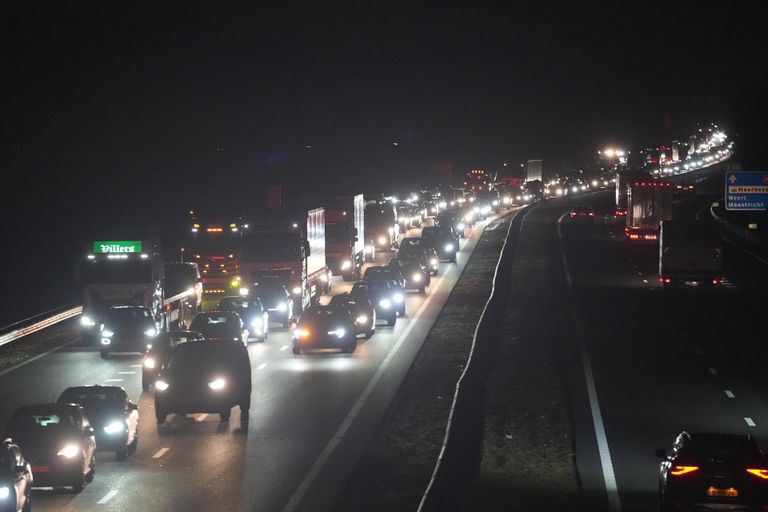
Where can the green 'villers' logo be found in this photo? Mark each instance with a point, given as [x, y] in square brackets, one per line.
[117, 247]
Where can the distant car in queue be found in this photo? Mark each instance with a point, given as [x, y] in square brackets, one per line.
[220, 325]
[323, 327]
[15, 479]
[415, 273]
[713, 472]
[582, 213]
[275, 298]
[361, 310]
[58, 441]
[382, 295]
[443, 239]
[204, 377]
[251, 311]
[414, 247]
[453, 219]
[156, 357]
[114, 418]
[396, 283]
[127, 329]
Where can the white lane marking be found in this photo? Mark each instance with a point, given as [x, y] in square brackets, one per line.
[750, 421]
[295, 500]
[113, 380]
[284, 347]
[126, 373]
[729, 393]
[135, 366]
[160, 453]
[713, 371]
[609, 477]
[201, 417]
[107, 497]
[645, 281]
[758, 258]
[261, 367]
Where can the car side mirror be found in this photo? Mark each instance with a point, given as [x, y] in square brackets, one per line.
[133, 407]
[661, 453]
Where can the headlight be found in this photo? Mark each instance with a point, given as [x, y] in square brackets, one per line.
[244, 291]
[486, 209]
[115, 427]
[105, 341]
[69, 451]
[416, 277]
[398, 297]
[149, 363]
[257, 322]
[296, 290]
[495, 203]
[339, 333]
[448, 247]
[300, 333]
[161, 385]
[106, 333]
[362, 319]
[217, 384]
[391, 231]
[151, 332]
[385, 303]
[4, 492]
[346, 264]
[382, 240]
[87, 321]
[433, 261]
[282, 307]
[460, 226]
[369, 249]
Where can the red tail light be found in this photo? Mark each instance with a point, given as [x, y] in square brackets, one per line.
[651, 237]
[717, 281]
[665, 280]
[762, 473]
[634, 236]
[591, 214]
[573, 214]
[683, 470]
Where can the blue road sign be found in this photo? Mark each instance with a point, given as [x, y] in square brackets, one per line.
[746, 191]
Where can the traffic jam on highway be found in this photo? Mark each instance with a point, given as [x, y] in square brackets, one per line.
[330, 271]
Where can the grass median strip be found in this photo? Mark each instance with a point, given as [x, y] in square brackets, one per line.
[395, 468]
[35, 344]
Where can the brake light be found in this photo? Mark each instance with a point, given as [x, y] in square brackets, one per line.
[573, 214]
[634, 236]
[762, 473]
[683, 470]
[591, 214]
[717, 281]
[665, 280]
[651, 237]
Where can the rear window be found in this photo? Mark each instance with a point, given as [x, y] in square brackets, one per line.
[27, 422]
[211, 321]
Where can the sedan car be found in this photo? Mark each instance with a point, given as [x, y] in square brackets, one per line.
[127, 329]
[204, 377]
[383, 297]
[15, 479]
[713, 472]
[58, 441]
[416, 275]
[322, 327]
[251, 311]
[220, 325]
[275, 298]
[582, 213]
[443, 239]
[360, 309]
[114, 418]
[157, 356]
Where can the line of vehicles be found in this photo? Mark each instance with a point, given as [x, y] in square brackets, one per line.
[195, 358]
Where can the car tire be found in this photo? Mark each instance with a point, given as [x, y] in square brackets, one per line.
[160, 416]
[90, 474]
[145, 385]
[296, 351]
[27, 504]
[391, 321]
[348, 277]
[105, 354]
[422, 290]
[135, 443]
[367, 335]
[225, 414]
[121, 454]
[350, 346]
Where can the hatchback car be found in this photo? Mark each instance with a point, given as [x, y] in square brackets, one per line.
[323, 327]
[360, 309]
[275, 298]
[220, 325]
[127, 329]
[582, 213]
[15, 479]
[157, 356]
[58, 441]
[416, 274]
[713, 472]
[251, 311]
[396, 284]
[382, 295]
[205, 377]
[114, 418]
[443, 239]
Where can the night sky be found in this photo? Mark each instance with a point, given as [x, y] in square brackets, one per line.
[139, 110]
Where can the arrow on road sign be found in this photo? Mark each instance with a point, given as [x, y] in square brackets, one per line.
[732, 179]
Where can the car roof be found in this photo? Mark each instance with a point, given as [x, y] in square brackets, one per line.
[49, 408]
[95, 388]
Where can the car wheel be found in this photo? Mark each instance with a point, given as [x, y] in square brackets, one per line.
[422, 290]
[367, 335]
[296, 351]
[89, 476]
[350, 346]
[78, 483]
[27, 504]
[348, 277]
[135, 443]
[145, 385]
[122, 453]
[160, 415]
[224, 414]
[391, 321]
[105, 354]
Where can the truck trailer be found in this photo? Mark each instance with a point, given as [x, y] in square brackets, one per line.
[344, 229]
[649, 202]
[690, 254]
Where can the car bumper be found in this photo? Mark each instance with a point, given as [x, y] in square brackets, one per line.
[57, 473]
[204, 403]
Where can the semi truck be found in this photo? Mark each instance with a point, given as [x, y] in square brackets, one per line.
[623, 179]
[690, 253]
[649, 202]
[381, 224]
[344, 229]
[288, 246]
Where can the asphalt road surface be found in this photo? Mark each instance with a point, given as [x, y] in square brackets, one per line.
[311, 415]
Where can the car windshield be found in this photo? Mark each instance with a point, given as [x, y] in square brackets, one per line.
[93, 398]
[28, 423]
[379, 273]
[209, 321]
[190, 358]
[234, 303]
[128, 314]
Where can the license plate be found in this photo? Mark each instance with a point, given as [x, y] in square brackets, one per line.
[723, 493]
[40, 469]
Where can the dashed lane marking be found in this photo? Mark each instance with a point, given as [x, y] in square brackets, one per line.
[126, 373]
[135, 366]
[113, 380]
[107, 497]
[750, 421]
[160, 453]
[261, 367]
[729, 393]
[284, 347]
[201, 417]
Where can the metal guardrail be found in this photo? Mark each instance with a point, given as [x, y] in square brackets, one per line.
[46, 322]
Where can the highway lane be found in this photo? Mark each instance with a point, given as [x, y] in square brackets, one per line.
[280, 458]
[662, 360]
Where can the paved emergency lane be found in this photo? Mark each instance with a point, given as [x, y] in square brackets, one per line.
[310, 417]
